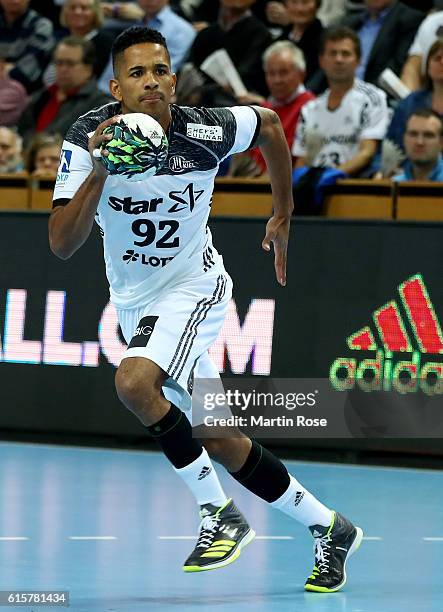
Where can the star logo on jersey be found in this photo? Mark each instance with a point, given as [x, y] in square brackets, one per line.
[185, 198]
[130, 255]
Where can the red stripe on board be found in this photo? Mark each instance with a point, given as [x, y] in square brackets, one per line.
[422, 316]
[389, 324]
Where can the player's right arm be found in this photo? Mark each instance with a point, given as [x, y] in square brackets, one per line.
[71, 223]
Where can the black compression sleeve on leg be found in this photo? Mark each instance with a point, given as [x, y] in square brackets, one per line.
[263, 474]
[173, 433]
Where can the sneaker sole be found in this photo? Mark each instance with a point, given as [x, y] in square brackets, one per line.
[354, 547]
[247, 538]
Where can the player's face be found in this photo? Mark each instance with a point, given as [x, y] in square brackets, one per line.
[339, 60]
[282, 76]
[144, 82]
[423, 139]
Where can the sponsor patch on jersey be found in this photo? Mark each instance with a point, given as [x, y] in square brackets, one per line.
[143, 332]
[65, 160]
[204, 132]
[64, 167]
[178, 163]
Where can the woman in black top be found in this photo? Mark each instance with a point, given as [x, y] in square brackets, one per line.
[305, 31]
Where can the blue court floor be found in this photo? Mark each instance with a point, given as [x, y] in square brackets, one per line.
[59, 500]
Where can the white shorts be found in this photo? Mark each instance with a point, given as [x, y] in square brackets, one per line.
[176, 330]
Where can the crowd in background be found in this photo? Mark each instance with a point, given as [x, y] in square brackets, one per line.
[320, 64]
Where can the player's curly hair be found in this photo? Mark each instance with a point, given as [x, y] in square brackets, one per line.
[136, 35]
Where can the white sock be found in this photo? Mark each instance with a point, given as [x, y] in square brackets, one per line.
[202, 479]
[297, 502]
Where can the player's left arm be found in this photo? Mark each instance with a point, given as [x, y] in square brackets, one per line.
[275, 150]
[361, 159]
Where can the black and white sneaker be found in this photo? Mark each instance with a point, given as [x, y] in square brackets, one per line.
[223, 533]
[333, 546]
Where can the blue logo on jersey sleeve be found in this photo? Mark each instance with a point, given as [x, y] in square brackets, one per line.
[65, 160]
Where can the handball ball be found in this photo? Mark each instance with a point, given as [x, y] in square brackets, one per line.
[138, 149]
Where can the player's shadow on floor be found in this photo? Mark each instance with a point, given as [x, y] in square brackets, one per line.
[181, 601]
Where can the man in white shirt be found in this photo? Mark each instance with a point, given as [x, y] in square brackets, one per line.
[350, 118]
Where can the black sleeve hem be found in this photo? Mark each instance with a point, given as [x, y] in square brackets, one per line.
[257, 129]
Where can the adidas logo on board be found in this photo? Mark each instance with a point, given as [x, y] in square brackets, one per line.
[419, 334]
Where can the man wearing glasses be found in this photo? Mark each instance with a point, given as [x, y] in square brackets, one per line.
[54, 108]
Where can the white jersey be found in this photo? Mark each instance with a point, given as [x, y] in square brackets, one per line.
[430, 29]
[155, 231]
[362, 115]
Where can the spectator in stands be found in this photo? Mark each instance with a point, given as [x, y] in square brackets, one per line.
[277, 13]
[13, 98]
[386, 29]
[55, 108]
[413, 73]
[329, 13]
[204, 12]
[26, 42]
[242, 35]
[305, 30]
[49, 9]
[260, 10]
[43, 155]
[10, 151]
[431, 96]
[284, 67]
[121, 14]
[179, 34]
[84, 18]
[347, 122]
[423, 143]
